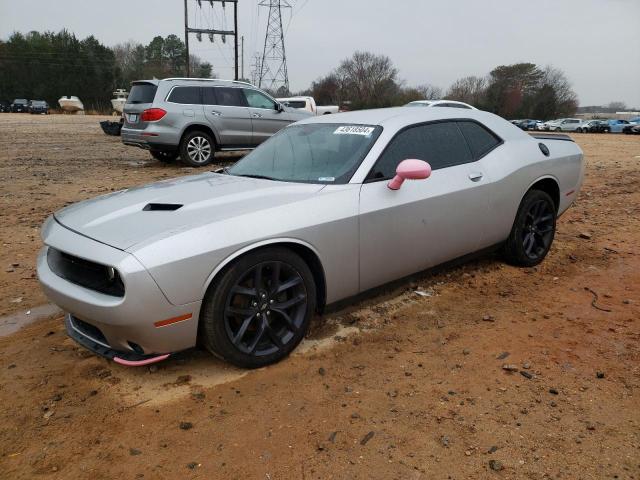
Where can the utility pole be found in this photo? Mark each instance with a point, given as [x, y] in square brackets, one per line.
[211, 32]
[186, 39]
[242, 50]
[273, 74]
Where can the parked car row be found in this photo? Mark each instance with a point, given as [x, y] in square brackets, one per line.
[22, 105]
[578, 125]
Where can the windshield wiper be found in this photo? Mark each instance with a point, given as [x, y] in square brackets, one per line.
[259, 177]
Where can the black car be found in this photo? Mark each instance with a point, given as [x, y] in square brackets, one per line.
[38, 106]
[594, 126]
[526, 124]
[20, 105]
[5, 106]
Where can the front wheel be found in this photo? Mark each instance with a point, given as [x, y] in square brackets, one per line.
[533, 230]
[259, 309]
[197, 149]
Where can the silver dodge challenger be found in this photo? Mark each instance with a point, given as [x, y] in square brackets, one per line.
[239, 260]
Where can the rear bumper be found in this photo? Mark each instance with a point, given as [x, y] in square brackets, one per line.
[135, 323]
[148, 139]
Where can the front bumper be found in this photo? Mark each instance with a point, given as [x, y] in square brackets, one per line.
[99, 347]
[133, 324]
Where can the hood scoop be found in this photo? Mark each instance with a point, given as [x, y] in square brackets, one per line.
[162, 207]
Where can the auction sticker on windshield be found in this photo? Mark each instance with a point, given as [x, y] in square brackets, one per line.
[354, 130]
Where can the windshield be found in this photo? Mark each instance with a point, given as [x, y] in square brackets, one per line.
[310, 153]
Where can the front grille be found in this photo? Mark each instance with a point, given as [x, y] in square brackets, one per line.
[89, 330]
[85, 273]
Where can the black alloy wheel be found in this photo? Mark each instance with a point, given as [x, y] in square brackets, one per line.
[533, 230]
[260, 308]
[538, 230]
[265, 308]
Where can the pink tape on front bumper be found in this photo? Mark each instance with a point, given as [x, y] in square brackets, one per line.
[141, 363]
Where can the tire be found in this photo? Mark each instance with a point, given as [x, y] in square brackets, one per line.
[558, 129]
[197, 149]
[164, 156]
[533, 230]
[252, 327]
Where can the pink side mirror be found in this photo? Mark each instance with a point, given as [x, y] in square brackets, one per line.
[410, 170]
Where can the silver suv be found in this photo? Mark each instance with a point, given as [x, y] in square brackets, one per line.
[194, 118]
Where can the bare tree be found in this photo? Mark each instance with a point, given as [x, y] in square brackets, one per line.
[429, 92]
[421, 92]
[469, 90]
[368, 80]
[617, 106]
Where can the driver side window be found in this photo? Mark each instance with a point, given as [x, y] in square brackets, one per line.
[256, 99]
[440, 144]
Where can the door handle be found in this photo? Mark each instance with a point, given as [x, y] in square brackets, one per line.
[216, 113]
[256, 115]
[475, 176]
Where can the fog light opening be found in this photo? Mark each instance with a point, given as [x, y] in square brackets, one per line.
[136, 348]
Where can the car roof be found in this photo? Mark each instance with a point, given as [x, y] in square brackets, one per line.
[396, 118]
[196, 81]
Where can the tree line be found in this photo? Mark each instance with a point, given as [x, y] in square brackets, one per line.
[46, 66]
[49, 65]
[522, 90]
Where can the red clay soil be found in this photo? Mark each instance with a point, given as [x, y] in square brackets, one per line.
[497, 372]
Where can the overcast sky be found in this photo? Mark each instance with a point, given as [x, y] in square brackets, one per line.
[595, 42]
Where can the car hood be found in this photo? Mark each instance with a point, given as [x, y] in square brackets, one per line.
[129, 217]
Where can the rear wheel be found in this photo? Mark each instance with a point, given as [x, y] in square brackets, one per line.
[260, 308]
[164, 156]
[533, 230]
[197, 149]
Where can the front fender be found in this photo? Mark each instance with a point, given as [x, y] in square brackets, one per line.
[254, 246]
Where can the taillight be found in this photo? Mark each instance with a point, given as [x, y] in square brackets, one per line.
[152, 114]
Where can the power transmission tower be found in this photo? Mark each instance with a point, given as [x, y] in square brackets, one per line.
[211, 32]
[273, 73]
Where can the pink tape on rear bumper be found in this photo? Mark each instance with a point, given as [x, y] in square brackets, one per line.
[140, 363]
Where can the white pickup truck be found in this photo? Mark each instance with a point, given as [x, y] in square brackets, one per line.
[308, 104]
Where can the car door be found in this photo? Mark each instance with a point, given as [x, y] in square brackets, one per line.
[620, 124]
[425, 222]
[266, 117]
[226, 111]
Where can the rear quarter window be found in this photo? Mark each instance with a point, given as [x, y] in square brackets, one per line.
[185, 95]
[481, 141]
[142, 93]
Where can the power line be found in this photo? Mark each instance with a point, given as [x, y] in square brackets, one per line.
[212, 32]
